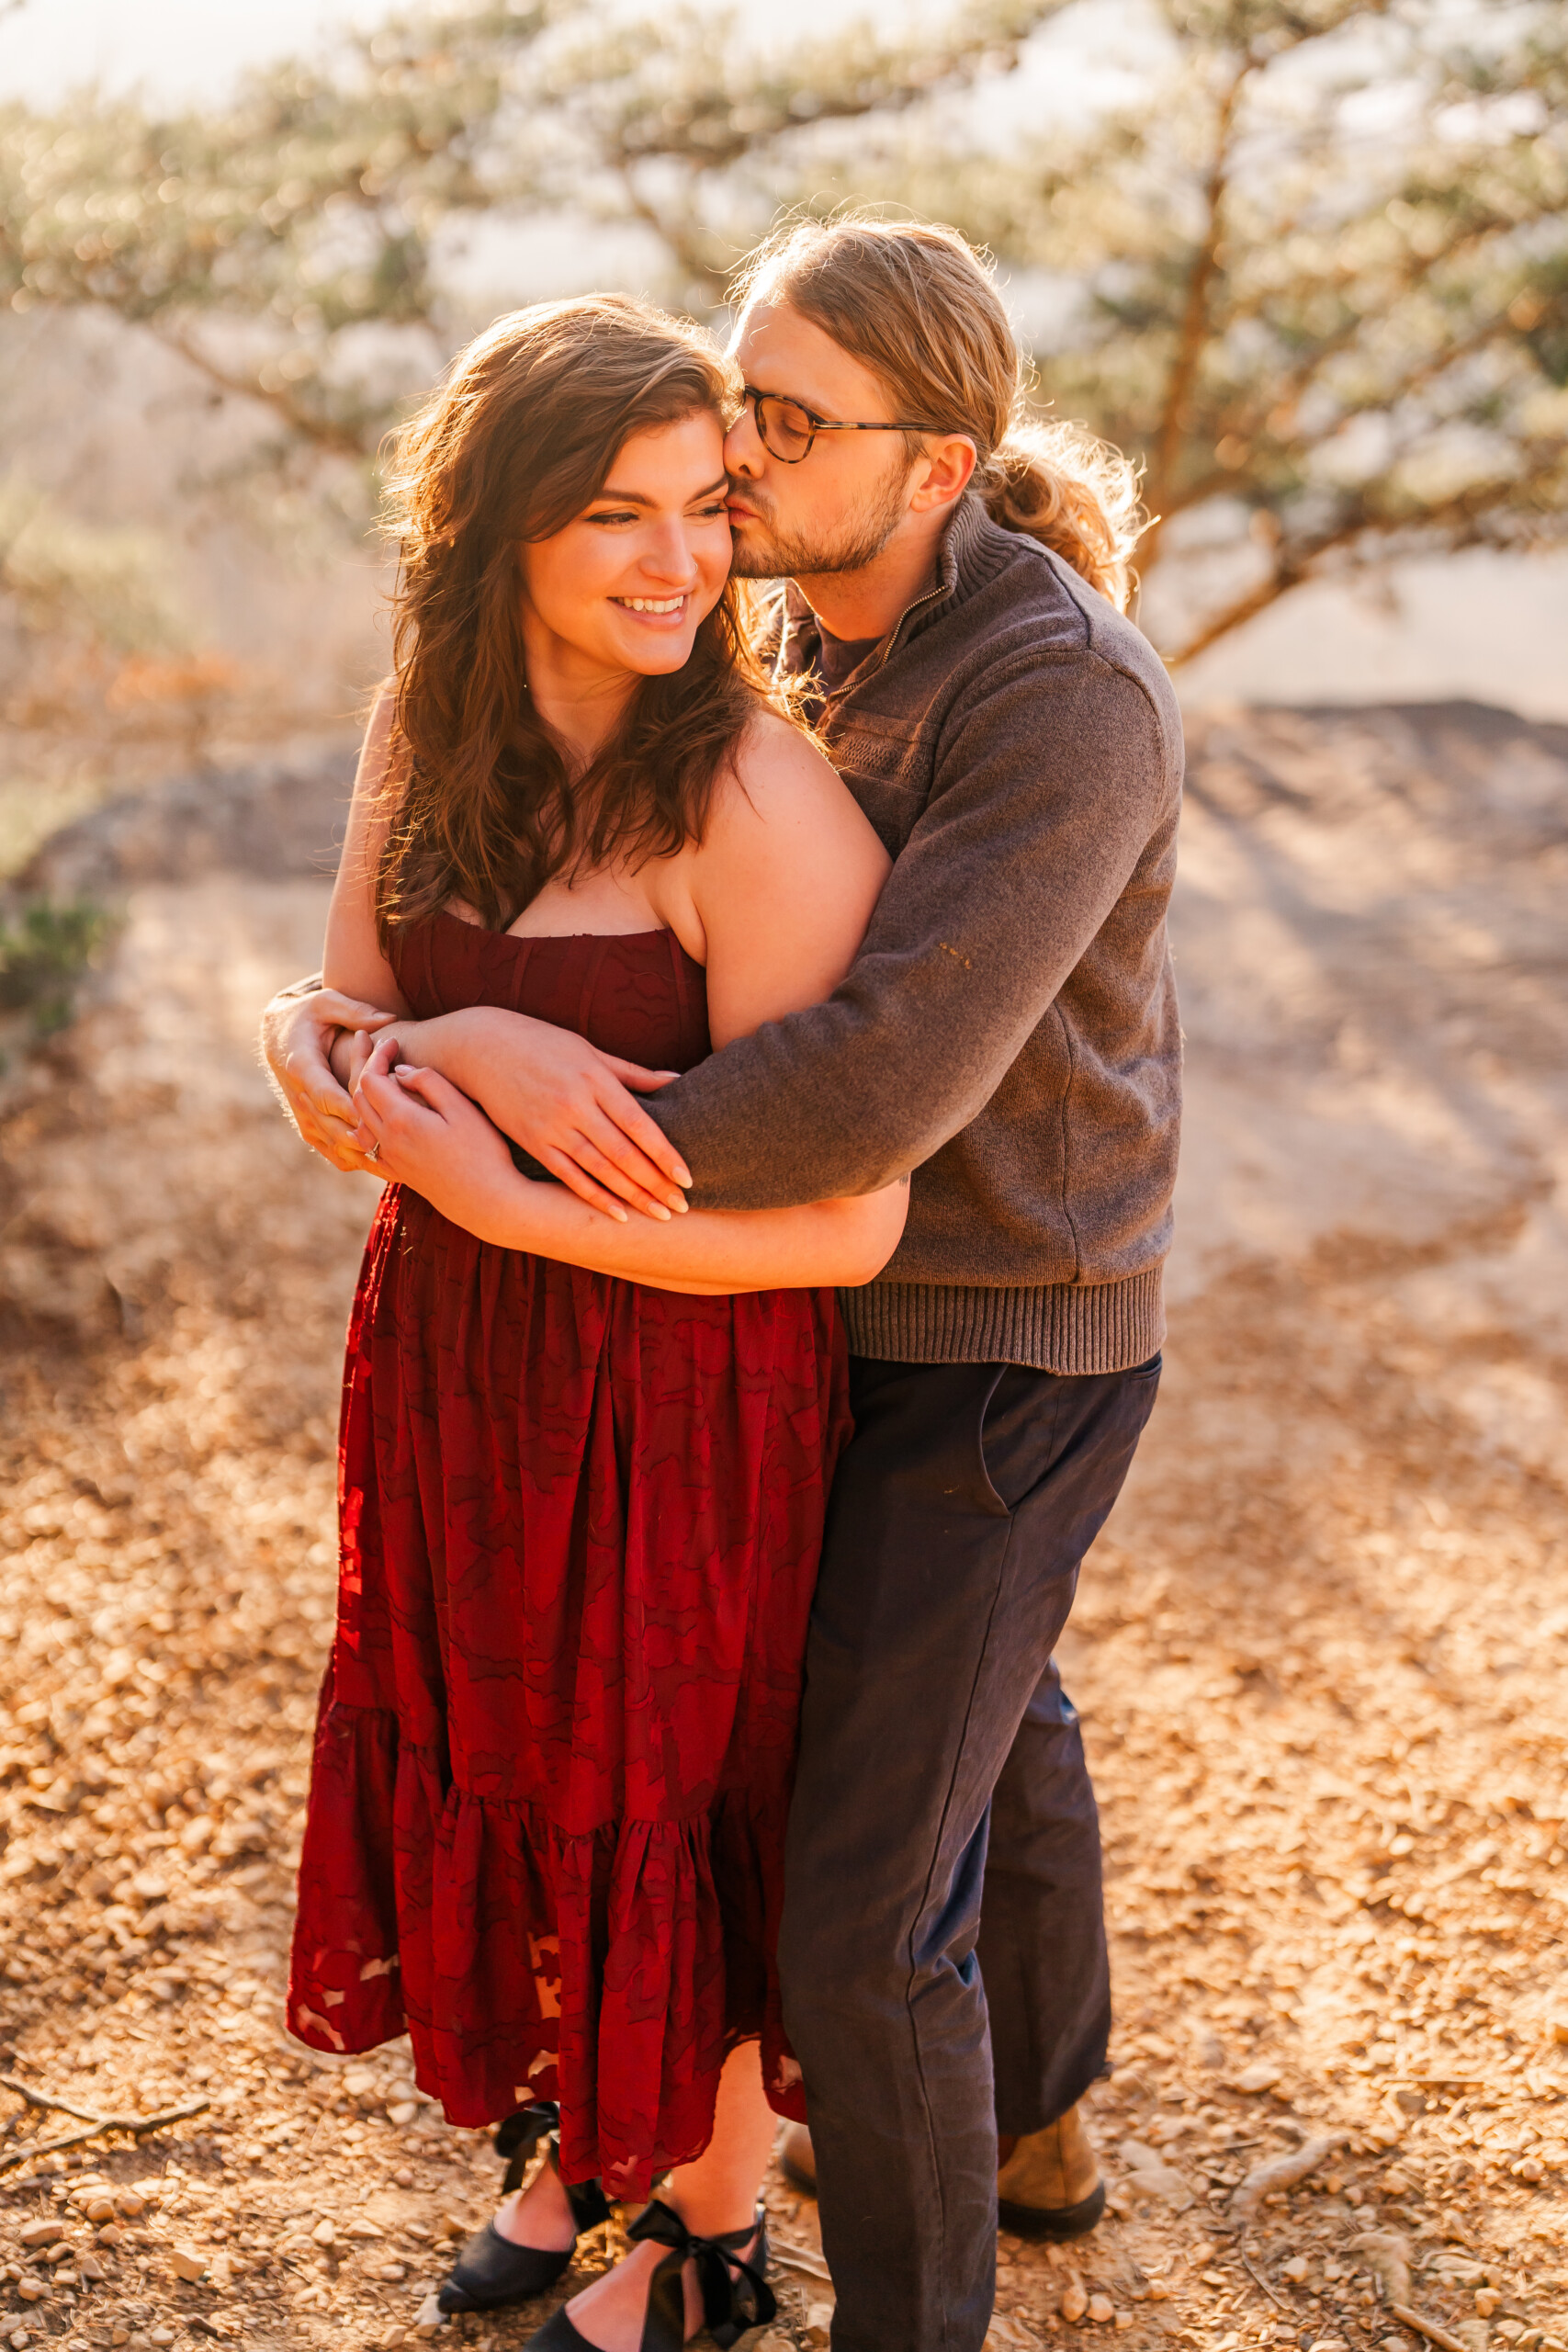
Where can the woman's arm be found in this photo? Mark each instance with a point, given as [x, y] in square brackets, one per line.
[430, 1136]
[352, 960]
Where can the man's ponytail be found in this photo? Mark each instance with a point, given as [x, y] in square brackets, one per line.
[918, 306]
[1077, 496]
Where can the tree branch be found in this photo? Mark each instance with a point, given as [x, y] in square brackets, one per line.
[337, 438]
[1195, 315]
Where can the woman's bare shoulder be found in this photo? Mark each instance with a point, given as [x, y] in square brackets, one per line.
[778, 773]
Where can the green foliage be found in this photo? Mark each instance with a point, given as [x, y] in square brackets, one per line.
[45, 951]
[1316, 274]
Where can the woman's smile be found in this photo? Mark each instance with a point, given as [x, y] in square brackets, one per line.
[663, 608]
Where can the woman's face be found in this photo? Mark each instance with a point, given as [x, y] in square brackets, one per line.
[624, 584]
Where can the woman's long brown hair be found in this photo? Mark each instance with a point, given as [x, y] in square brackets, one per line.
[520, 438]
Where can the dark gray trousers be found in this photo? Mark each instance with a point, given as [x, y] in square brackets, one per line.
[943, 1827]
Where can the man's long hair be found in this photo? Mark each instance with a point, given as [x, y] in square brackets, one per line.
[519, 438]
[918, 306]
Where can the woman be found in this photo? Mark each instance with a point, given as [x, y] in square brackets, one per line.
[581, 1516]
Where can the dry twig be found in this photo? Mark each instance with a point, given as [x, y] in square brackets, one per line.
[93, 2124]
[1428, 2327]
[1282, 2172]
[1257, 2275]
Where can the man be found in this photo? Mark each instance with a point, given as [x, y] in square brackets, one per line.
[1008, 1032]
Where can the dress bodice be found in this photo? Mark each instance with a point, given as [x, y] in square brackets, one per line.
[638, 994]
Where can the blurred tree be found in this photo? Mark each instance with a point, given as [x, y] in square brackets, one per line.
[1315, 275]
[289, 247]
[1315, 272]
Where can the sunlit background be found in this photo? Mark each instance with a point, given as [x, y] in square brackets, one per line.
[1309, 262]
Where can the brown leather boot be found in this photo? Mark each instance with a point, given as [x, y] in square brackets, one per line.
[1048, 2183]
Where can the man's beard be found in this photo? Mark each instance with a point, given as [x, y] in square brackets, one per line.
[769, 554]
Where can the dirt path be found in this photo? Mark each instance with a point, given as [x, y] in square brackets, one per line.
[1319, 1652]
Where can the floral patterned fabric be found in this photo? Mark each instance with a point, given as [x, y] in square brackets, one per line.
[579, 1529]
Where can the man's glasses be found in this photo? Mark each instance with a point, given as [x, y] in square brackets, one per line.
[787, 428]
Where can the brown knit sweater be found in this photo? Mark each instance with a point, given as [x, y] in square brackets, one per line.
[1008, 1030]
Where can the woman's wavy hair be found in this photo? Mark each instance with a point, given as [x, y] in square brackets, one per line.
[918, 305]
[519, 438]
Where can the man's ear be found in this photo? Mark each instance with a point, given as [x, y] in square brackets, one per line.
[948, 461]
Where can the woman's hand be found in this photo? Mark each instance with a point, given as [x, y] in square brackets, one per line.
[416, 1128]
[297, 1034]
[574, 1108]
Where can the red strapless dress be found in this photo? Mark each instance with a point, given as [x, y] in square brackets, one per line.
[579, 1530]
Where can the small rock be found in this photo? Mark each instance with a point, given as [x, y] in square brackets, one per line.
[392, 2272]
[1150, 2176]
[1211, 2052]
[819, 2324]
[358, 2083]
[31, 2290]
[1075, 2300]
[432, 2319]
[1261, 2077]
[90, 2266]
[1387, 2256]
[1528, 2169]
[1558, 2029]
[99, 2209]
[365, 2230]
[111, 2234]
[160, 2336]
[403, 2176]
[1486, 2302]
[130, 2204]
[1101, 2310]
[185, 2263]
[404, 2111]
[37, 2233]
[1123, 2319]
[1296, 2268]
[325, 2232]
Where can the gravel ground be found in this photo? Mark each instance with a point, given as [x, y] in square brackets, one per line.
[1319, 1652]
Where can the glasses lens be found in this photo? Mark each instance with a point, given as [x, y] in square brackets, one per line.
[784, 426]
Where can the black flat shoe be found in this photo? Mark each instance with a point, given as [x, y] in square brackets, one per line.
[735, 2293]
[490, 2270]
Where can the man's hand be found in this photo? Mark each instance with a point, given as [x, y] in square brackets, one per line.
[297, 1038]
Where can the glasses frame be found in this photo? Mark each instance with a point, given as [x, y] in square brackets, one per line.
[751, 398]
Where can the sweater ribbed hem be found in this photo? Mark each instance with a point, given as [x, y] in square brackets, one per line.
[1058, 1326]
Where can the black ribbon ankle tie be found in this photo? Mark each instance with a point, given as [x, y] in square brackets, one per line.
[736, 2296]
